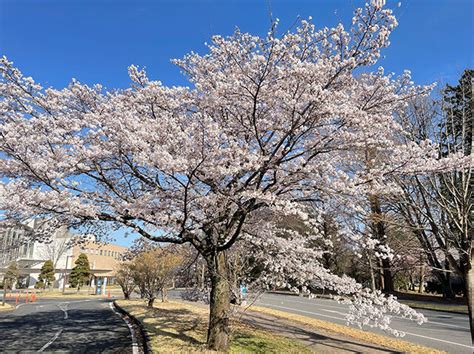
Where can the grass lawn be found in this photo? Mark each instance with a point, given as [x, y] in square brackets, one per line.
[396, 344]
[71, 293]
[5, 307]
[436, 306]
[432, 302]
[182, 327]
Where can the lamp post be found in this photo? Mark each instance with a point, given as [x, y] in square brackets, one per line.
[65, 274]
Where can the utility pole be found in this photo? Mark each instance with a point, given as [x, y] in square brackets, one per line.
[65, 274]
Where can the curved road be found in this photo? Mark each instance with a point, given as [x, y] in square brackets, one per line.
[73, 326]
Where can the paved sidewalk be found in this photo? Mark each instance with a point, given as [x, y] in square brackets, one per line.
[317, 340]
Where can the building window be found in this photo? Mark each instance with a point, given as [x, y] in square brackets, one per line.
[101, 252]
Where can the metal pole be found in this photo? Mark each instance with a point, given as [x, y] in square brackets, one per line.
[65, 274]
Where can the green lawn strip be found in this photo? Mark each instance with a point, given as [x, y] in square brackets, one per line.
[436, 306]
[382, 341]
[182, 327]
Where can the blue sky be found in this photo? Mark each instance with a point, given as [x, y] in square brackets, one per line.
[95, 41]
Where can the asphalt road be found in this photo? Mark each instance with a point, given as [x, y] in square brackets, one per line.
[72, 326]
[446, 331]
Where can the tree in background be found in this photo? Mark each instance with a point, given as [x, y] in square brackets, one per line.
[124, 278]
[81, 273]
[438, 206]
[11, 276]
[46, 277]
[9, 279]
[152, 271]
[54, 249]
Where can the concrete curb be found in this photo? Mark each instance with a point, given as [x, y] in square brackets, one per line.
[143, 340]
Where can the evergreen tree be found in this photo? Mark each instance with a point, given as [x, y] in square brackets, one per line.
[81, 272]
[457, 127]
[11, 276]
[46, 276]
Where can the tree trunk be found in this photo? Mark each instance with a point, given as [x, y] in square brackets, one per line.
[372, 275]
[469, 280]
[378, 230]
[164, 295]
[151, 301]
[421, 289]
[387, 276]
[219, 330]
[126, 295]
[202, 278]
[448, 292]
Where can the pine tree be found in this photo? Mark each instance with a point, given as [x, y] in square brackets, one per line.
[81, 272]
[11, 276]
[46, 276]
[457, 128]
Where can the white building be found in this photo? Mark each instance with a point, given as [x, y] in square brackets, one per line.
[31, 255]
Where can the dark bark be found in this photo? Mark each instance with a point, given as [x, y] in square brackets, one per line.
[378, 229]
[372, 274]
[151, 301]
[469, 281]
[387, 276]
[219, 330]
[448, 292]
[126, 295]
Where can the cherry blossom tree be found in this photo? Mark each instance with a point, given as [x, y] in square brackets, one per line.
[269, 124]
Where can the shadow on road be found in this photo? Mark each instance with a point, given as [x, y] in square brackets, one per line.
[89, 328]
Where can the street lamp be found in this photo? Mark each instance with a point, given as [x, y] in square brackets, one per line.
[65, 274]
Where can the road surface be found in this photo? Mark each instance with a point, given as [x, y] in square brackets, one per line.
[446, 331]
[73, 326]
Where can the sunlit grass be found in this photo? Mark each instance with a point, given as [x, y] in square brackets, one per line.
[360, 335]
[182, 327]
[5, 307]
[436, 306]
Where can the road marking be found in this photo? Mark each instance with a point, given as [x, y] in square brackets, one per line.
[409, 333]
[58, 333]
[308, 302]
[54, 302]
[303, 311]
[132, 332]
[439, 340]
[64, 308]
